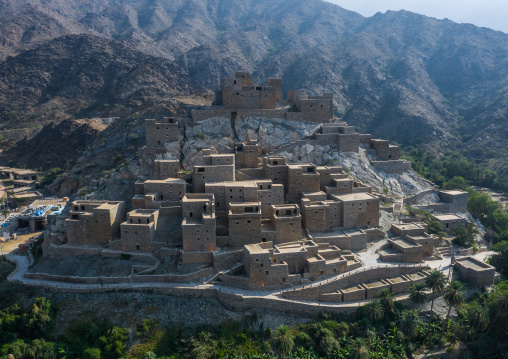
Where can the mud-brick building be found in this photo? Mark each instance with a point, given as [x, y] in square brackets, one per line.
[384, 150]
[215, 168]
[198, 226]
[166, 169]
[139, 230]
[286, 222]
[276, 169]
[94, 222]
[267, 264]
[302, 177]
[262, 191]
[244, 223]
[247, 154]
[358, 209]
[160, 132]
[476, 272]
[154, 194]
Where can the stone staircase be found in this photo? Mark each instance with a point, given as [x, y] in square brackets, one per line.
[445, 251]
[216, 276]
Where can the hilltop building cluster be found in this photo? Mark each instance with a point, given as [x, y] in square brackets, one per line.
[258, 221]
[23, 189]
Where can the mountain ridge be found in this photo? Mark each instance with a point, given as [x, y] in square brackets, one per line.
[397, 75]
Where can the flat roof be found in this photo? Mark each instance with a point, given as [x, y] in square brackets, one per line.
[318, 193]
[19, 190]
[29, 195]
[257, 248]
[221, 155]
[352, 197]
[449, 217]
[24, 172]
[244, 204]
[172, 180]
[454, 192]
[408, 226]
[474, 263]
[404, 243]
[194, 197]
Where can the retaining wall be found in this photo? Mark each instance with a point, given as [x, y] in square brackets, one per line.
[312, 292]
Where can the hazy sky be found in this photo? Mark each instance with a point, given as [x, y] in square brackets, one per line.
[485, 13]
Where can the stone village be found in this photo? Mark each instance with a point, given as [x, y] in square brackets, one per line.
[242, 218]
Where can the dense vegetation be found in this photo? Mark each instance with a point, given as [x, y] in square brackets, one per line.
[380, 329]
[453, 164]
[454, 171]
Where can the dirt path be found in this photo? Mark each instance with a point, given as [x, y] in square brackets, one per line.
[12, 246]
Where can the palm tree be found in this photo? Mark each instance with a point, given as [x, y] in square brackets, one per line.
[373, 311]
[387, 299]
[435, 282]
[454, 295]
[5, 213]
[478, 317]
[358, 349]
[409, 324]
[284, 340]
[500, 305]
[417, 293]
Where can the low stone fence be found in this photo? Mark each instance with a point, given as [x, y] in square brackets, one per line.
[163, 278]
[74, 279]
[392, 167]
[411, 200]
[9, 277]
[174, 278]
[312, 291]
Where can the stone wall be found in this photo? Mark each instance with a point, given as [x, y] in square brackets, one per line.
[392, 167]
[476, 272]
[166, 169]
[347, 241]
[226, 260]
[312, 292]
[159, 132]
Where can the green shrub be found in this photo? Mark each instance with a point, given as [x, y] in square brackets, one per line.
[125, 256]
[92, 353]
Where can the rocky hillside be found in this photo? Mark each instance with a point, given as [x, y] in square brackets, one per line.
[398, 75]
[84, 75]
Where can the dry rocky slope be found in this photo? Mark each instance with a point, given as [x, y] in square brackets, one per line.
[398, 75]
[275, 136]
